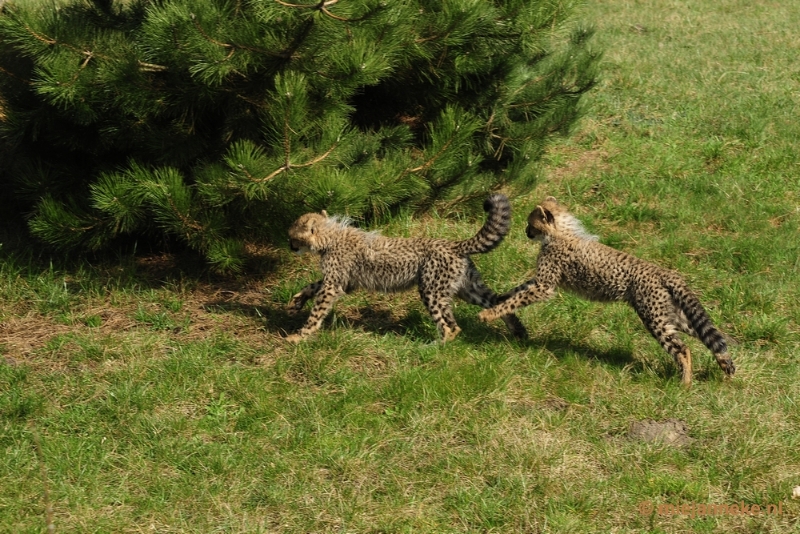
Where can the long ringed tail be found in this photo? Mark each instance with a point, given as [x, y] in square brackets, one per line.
[497, 224]
[698, 318]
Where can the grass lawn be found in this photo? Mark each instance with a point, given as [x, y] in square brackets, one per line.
[136, 396]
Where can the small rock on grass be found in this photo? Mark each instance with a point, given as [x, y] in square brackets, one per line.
[672, 432]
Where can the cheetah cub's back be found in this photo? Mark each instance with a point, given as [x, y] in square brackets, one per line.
[572, 258]
[352, 259]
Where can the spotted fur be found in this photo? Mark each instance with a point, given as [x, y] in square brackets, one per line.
[572, 259]
[354, 259]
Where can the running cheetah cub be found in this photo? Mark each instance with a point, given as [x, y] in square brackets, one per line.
[571, 258]
[354, 259]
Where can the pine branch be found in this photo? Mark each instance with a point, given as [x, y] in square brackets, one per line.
[532, 82]
[287, 147]
[41, 38]
[185, 221]
[9, 73]
[151, 67]
[288, 165]
[433, 158]
[323, 8]
[315, 160]
[319, 5]
[205, 35]
[233, 47]
[51, 42]
[426, 164]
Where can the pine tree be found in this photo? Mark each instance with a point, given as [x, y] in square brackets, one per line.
[218, 121]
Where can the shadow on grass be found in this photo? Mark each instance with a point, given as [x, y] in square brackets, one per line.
[278, 320]
[657, 364]
[478, 333]
[379, 319]
[414, 324]
[562, 347]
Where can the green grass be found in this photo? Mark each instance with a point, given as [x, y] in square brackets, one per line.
[165, 401]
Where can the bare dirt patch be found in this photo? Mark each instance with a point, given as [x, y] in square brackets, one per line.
[162, 300]
[26, 334]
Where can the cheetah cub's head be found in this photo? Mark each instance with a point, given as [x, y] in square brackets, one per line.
[551, 219]
[304, 232]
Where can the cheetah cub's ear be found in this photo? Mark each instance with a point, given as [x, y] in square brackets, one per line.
[541, 222]
[324, 213]
[542, 219]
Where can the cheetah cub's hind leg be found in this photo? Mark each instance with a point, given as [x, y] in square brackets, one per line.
[436, 283]
[715, 340]
[666, 333]
[475, 292]
[439, 305]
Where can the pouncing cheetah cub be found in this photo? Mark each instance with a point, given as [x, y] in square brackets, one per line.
[354, 259]
[571, 258]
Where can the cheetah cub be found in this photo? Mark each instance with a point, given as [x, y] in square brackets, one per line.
[354, 259]
[571, 258]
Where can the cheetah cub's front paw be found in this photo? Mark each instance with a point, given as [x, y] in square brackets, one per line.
[487, 316]
[294, 338]
[450, 334]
